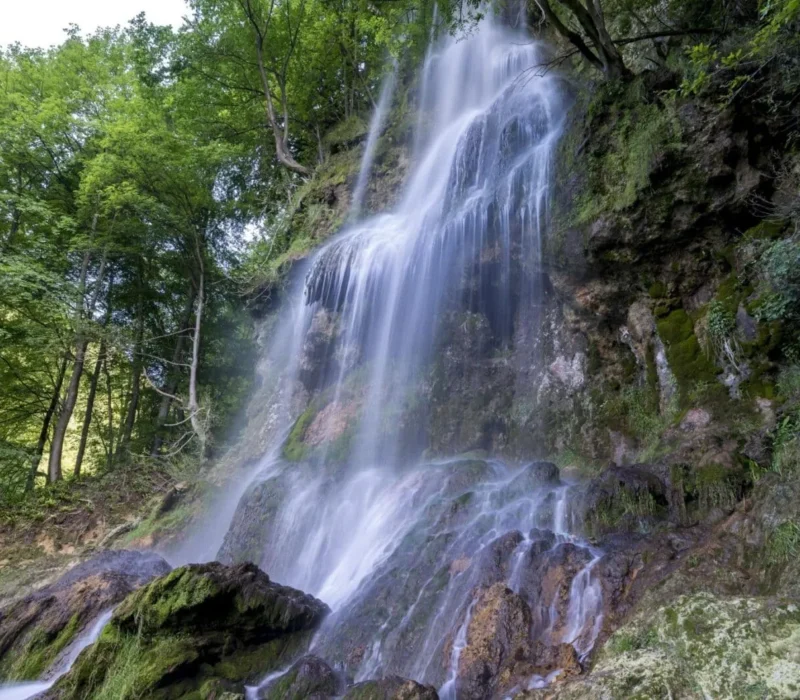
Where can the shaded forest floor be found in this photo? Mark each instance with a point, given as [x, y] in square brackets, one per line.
[56, 527]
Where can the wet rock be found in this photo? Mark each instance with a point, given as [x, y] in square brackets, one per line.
[495, 559]
[247, 534]
[623, 499]
[547, 658]
[533, 476]
[201, 626]
[695, 419]
[35, 630]
[546, 579]
[315, 356]
[310, 678]
[391, 688]
[497, 637]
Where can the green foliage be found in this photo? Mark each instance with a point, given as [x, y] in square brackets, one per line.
[783, 544]
[637, 137]
[786, 444]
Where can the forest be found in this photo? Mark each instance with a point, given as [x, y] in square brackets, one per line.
[147, 174]
[403, 350]
[143, 169]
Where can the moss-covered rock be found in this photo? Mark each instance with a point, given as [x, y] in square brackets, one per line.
[36, 630]
[699, 646]
[391, 688]
[686, 358]
[201, 627]
[310, 678]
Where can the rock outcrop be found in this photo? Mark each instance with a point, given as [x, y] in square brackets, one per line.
[391, 688]
[498, 637]
[202, 629]
[310, 678]
[35, 630]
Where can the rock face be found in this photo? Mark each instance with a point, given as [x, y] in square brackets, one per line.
[698, 646]
[497, 639]
[202, 629]
[310, 678]
[34, 631]
[391, 688]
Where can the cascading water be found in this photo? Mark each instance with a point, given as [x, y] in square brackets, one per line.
[397, 547]
[375, 129]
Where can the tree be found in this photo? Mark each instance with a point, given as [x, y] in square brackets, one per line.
[599, 49]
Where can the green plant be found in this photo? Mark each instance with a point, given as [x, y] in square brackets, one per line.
[786, 444]
[784, 543]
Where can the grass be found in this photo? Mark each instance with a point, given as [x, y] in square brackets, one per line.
[784, 543]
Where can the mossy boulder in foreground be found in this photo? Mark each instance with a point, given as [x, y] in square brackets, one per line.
[198, 632]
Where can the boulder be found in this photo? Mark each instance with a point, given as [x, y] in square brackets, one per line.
[310, 678]
[203, 629]
[391, 688]
[497, 637]
[37, 629]
[546, 581]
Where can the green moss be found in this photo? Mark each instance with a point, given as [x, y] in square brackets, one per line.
[783, 544]
[294, 449]
[346, 132]
[179, 591]
[768, 228]
[40, 652]
[714, 486]
[657, 290]
[249, 663]
[621, 510]
[636, 135]
[686, 358]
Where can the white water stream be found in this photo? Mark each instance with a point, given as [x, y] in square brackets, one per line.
[23, 691]
[395, 545]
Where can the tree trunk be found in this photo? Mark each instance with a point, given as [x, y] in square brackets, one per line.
[193, 406]
[172, 374]
[57, 443]
[87, 416]
[48, 416]
[281, 143]
[136, 373]
[110, 409]
[81, 343]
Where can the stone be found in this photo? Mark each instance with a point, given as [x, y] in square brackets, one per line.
[309, 678]
[391, 688]
[497, 636]
[35, 630]
[695, 419]
[201, 627]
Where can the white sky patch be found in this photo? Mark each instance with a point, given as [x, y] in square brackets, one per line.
[42, 22]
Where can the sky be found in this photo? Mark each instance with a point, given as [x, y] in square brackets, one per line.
[41, 22]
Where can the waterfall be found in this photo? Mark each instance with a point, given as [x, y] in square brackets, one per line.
[396, 544]
[375, 130]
